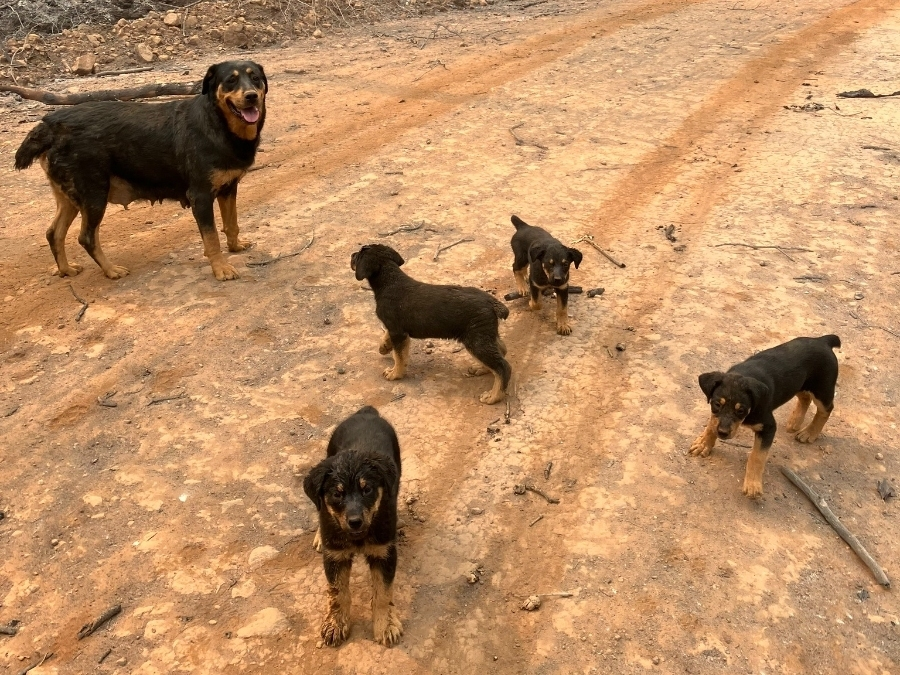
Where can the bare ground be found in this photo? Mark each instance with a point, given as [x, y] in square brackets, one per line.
[634, 115]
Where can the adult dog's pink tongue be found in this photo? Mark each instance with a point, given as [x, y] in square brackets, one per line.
[250, 115]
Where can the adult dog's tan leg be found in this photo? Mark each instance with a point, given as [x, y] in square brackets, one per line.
[812, 431]
[704, 443]
[795, 421]
[66, 210]
[401, 358]
[212, 249]
[228, 210]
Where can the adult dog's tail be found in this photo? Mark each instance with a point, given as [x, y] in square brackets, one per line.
[501, 310]
[518, 222]
[36, 143]
[832, 341]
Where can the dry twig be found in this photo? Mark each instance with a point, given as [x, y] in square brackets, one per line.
[124, 71]
[866, 324]
[520, 490]
[838, 526]
[522, 141]
[441, 249]
[163, 399]
[84, 304]
[260, 263]
[402, 228]
[589, 239]
[89, 628]
[35, 665]
[536, 520]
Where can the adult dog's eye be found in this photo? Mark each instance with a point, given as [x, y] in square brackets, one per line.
[367, 490]
[254, 79]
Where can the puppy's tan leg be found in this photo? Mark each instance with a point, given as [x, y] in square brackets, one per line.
[534, 299]
[386, 624]
[562, 317]
[66, 211]
[521, 281]
[228, 210]
[705, 441]
[496, 394]
[336, 626]
[756, 464]
[795, 421]
[401, 358]
[812, 431]
[317, 540]
[385, 347]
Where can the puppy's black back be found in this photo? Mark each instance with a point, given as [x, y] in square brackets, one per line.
[801, 364]
[365, 430]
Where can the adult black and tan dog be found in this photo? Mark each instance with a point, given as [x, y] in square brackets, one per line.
[412, 309]
[547, 261]
[750, 391]
[194, 151]
[355, 491]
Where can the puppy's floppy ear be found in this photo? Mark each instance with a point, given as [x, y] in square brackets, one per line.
[209, 81]
[262, 74]
[759, 392]
[536, 252]
[367, 263]
[314, 483]
[387, 469]
[709, 382]
[576, 256]
[393, 256]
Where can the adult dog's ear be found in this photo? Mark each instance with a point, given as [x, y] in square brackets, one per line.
[759, 392]
[576, 256]
[709, 382]
[367, 263]
[314, 483]
[209, 82]
[262, 74]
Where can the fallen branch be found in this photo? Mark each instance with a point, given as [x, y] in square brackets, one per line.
[10, 628]
[124, 71]
[759, 246]
[866, 324]
[520, 490]
[536, 520]
[441, 249]
[864, 93]
[260, 263]
[35, 665]
[573, 290]
[589, 238]
[146, 91]
[84, 304]
[521, 141]
[175, 397]
[844, 533]
[547, 470]
[402, 228]
[89, 628]
[106, 401]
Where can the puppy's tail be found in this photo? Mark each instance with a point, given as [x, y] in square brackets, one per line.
[501, 310]
[36, 143]
[832, 341]
[518, 222]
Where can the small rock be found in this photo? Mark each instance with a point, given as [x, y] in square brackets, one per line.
[172, 19]
[85, 64]
[144, 53]
[472, 578]
[191, 22]
[268, 622]
[429, 344]
[261, 554]
[194, 40]
[327, 321]
[532, 603]
[858, 296]
[475, 511]
[317, 33]
[121, 23]
[340, 370]
[879, 456]
[54, 542]
[763, 263]
[121, 662]
[655, 660]
[620, 347]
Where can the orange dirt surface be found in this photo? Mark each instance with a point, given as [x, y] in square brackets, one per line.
[179, 497]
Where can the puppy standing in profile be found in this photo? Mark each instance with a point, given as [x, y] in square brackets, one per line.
[412, 309]
[750, 391]
[547, 261]
[355, 491]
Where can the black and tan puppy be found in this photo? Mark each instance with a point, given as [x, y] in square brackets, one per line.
[193, 151]
[355, 490]
[412, 309]
[547, 261]
[750, 391]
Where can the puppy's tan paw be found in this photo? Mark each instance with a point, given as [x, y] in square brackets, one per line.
[392, 374]
[385, 347]
[752, 488]
[477, 371]
[335, 629]
[534, 305]
[116, 272]
[388, 630]
[317, 540]
[699, 448]
[806, 436]
[490, 398]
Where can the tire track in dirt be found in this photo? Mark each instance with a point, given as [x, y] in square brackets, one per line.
[740, 103]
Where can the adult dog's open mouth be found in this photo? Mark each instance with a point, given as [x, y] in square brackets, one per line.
[249, 115]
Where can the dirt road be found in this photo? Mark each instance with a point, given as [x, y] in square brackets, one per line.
[183, 503]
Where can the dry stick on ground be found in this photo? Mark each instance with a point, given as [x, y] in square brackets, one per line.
[104, 655]
[520, 490]
[9, 630]
[441, 249]
[84, 304]
[866, 324]
[163, 399]
[145, 91]
[434, 64]
[755, 247]
[844, 533]
[89, 628]
[403, 228]
[547, 470]
[536, 520]
[124, 71]
[35, 665]
[260, 263]
[589, 239]
[520, 141]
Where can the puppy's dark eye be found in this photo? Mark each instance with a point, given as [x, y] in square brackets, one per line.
[366, 490]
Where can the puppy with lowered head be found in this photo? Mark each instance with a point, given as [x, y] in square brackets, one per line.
[355, 491]
[750, 392]
[412, 309]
